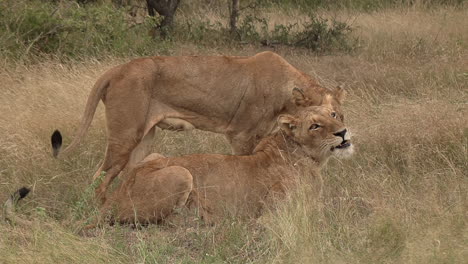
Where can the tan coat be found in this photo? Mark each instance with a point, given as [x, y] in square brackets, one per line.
[241, 185]
[240, 97]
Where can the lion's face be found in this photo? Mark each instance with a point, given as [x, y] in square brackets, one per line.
[320, 131]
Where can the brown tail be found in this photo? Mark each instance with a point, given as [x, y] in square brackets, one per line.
[94, 97]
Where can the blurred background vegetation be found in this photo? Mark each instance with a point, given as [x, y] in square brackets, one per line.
[96, 28]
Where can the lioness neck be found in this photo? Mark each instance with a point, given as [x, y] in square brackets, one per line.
[280, 148]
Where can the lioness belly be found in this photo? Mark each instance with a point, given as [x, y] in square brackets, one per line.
[175, 124]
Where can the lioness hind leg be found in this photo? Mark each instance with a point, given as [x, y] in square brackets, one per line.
[142, 149]
[104, 166]
[176, 183]
[155, 194]
[114, 170]
[127, 104]
[122, 155]
[140, 152]
[153, 156]
[117, 156]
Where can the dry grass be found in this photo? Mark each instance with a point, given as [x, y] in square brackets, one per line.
[401, 199]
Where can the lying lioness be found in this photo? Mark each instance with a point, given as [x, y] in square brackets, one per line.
[213, 183]
[240, 97]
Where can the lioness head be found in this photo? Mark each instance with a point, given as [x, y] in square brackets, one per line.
[334, 98]
[319, 131]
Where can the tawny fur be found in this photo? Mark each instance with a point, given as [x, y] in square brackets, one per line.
[242, 185]
[240, 97]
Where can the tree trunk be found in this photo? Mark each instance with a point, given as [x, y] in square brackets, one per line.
[233, 16]
[166, 9]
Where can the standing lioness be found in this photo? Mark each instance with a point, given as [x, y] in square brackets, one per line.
[213, 183]
[240, 97]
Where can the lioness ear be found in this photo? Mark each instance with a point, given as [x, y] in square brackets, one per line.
[340, 93]
[299, 97]
[327, 100]
[287, 123]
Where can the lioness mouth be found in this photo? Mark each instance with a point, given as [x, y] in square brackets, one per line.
[343, 145]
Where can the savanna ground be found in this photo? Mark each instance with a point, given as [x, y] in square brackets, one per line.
[401, 199]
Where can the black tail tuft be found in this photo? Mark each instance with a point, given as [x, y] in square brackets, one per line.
[22, 192]
[9, 206]
[19, 194]
[56, 141]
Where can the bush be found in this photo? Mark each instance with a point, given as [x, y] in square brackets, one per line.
[248, 29]
[201, 32]
[318, 34]
[29, 29]
[69, 30]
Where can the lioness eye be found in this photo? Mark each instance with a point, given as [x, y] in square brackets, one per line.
[333, 114]
[314, 127]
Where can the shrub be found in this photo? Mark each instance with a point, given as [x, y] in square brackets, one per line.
[318, 35]
[201, 32]
[70, 30]
[248, 28]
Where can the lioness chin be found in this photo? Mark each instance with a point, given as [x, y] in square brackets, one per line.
[212, 182]
[240, 97]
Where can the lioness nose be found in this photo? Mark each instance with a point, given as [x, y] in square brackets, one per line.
[342, 133]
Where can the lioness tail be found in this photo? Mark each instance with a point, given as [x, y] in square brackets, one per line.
[11, 202]
[56, 141]
[94, 97]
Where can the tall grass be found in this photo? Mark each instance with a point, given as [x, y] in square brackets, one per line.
[401, 199]
[368, 5]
